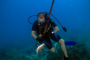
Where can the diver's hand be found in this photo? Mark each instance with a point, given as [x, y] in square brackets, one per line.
[39, 38]
[56, 29]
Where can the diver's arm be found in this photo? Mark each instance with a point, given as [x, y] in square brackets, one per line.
[33, 34]
[56, 29]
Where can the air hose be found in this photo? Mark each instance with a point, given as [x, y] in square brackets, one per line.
[46, 13]
[49, 17]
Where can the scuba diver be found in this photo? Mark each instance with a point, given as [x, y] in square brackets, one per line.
[43, 30]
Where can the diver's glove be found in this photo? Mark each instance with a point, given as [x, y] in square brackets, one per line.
[39, 38]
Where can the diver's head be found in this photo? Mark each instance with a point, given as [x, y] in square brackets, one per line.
[41, 16]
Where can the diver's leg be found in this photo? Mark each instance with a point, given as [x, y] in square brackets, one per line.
[61, 41]
[49, 45]
[58, 39]
[40, 48]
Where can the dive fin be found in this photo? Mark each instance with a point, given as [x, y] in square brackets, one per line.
[70, 43]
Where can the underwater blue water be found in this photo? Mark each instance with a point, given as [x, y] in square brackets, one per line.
[15, 31]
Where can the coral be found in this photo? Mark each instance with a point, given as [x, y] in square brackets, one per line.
[78, 52]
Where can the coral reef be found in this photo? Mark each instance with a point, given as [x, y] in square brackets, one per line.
[77, 52]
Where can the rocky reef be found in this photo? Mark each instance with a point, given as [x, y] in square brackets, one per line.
[77, 52]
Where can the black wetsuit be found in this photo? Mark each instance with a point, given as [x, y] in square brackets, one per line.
[39, 28]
